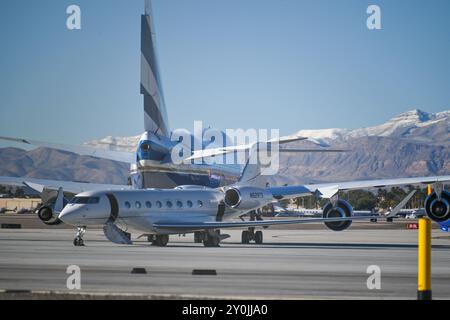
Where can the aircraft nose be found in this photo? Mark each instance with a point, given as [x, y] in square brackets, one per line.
[71, 215]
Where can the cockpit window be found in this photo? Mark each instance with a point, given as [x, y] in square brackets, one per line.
[145, 146]
[85, 200]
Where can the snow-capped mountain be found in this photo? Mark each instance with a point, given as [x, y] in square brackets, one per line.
[414, 125]
[115, 143]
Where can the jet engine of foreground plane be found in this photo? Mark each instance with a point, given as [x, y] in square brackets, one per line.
[247, 198]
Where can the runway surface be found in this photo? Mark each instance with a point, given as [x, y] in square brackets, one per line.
[298, 264]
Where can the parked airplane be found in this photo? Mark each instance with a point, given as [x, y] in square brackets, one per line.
[204, 211]
[226, 192]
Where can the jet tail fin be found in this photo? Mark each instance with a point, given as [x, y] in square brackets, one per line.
[155, 114]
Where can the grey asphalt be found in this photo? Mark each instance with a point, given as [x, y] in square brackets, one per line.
[292, 264]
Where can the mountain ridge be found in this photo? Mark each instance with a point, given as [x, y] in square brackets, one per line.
[414, 143]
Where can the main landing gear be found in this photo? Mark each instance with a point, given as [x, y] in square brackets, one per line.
[198, 237]
[210, 238]
[159, 240]
[251, 235]
[78, 241]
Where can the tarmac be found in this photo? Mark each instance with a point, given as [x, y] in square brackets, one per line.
[299, 263]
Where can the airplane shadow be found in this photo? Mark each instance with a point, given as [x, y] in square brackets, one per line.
[267, 245]
[301, 245]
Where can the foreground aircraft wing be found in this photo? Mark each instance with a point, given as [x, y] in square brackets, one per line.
[328, 190]
[68, 186]
[121, 156]
[184, 226]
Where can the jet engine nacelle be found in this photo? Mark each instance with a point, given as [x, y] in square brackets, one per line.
[247, 198]
[47, 216]
[438, 208]
[340, 209]
[46, 213]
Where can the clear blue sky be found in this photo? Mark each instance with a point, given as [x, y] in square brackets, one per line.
[288, 64]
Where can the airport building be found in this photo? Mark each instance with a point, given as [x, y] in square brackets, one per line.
[14, 204]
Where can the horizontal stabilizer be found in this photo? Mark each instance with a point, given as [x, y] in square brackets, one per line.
[213, 152]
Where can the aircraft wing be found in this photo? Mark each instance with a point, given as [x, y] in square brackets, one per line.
[121, 156]
[185, 226]
[328, 190]
[68, 186]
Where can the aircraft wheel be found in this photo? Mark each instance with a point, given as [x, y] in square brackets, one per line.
[78, 242]
[198, 237]
[211, 241]
[161, 240]
[258, 237]
[245, 239]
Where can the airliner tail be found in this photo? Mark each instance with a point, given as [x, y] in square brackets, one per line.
[155, 113]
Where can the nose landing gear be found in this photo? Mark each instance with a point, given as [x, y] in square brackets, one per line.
[78, 241]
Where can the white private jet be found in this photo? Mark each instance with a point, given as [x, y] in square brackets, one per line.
[204, 211]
